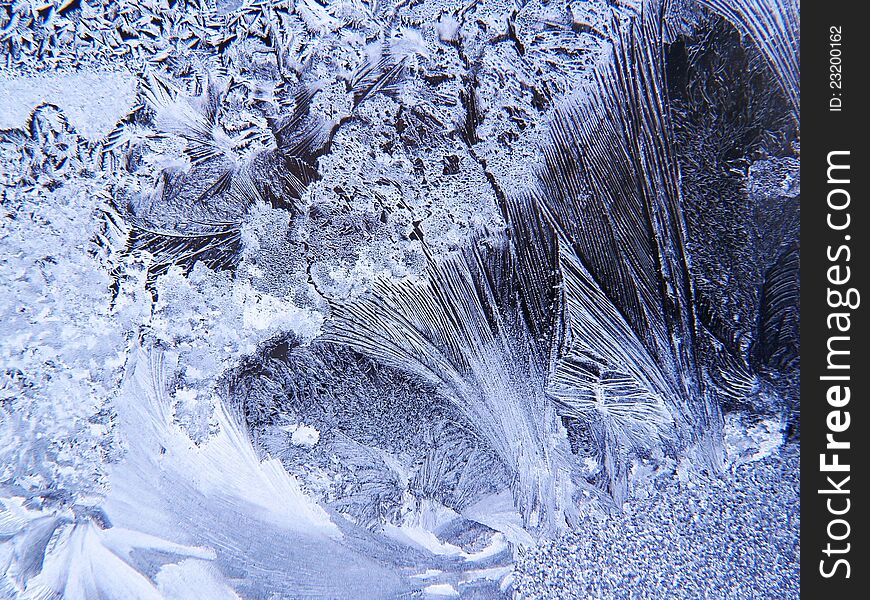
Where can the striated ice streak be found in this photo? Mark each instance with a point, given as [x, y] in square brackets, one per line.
[220, 495]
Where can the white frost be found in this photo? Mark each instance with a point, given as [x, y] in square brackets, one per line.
[305, 436]
[93, 102]
[440, 590]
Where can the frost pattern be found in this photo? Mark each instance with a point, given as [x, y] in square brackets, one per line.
[349, 299]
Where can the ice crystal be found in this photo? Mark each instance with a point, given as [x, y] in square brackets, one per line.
[339, 298]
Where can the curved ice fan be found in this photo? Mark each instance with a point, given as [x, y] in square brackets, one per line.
[774, 27]
[196, 211]
[586, 313]
[458, 330]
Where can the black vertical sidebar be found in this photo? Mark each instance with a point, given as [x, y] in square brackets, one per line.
[835, 299]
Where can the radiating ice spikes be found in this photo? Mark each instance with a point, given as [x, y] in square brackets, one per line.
[774, 27]
[453, 331]
[610, 192]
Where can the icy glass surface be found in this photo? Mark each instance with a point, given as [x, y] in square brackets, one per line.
[399, 299]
